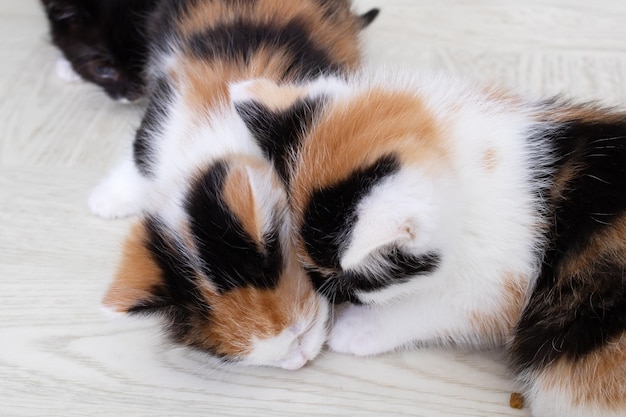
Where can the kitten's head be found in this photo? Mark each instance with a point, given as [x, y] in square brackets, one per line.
[360, 162]
[218, 267]
[104, 41]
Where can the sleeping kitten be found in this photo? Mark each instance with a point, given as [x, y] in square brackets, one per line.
[211, 254]
[103, 42]
[453, 214]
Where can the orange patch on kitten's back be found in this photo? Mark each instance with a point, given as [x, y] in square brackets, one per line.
[378, 123]
[338, 35]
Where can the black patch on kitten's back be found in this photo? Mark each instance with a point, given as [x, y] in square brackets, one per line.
[279, 133]
[240, 40]
[230, 257]
[571, 315]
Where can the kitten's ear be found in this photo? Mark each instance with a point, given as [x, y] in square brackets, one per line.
[138, 284]
[370, 239]
[254, 194]
[396, 215]
[276, 116]
[368, 17]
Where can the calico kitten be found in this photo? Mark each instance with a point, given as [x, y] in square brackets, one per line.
[211, 254]
[451, 214]
[103, 42]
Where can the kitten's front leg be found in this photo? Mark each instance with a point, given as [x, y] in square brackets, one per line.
[122, 193]
[360, 330]
[366, 330]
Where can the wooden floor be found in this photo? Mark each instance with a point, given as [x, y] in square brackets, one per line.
[60, 357]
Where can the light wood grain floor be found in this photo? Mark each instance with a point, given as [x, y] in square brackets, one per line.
[60, 357]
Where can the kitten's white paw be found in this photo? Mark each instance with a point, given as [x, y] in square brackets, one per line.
[65, 71]
[357, 332]
[111, 202]
[121, 194]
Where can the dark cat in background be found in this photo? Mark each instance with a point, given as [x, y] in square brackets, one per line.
[103, 42]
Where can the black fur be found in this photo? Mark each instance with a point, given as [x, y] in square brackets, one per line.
[155, 116]
[230, 257]
[278, 133]
[397, 267]
[177, 296]
[330, 214]
[368, 17]
[105, 41]
[240, 40]
[337, 9]
[572, 315]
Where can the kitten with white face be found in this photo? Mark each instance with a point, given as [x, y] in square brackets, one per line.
[451, 213]
[211, 253]
[102, 42]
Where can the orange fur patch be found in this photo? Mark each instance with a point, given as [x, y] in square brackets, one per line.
[337, 36]
[596, 379]
[352, 135]
[273, 96]
[609, 244]
[136, 276]
[490, 159]
[242, 315]
[503, 96]
[496, 327]
[587, 113]
[204, 85]
[562, 179]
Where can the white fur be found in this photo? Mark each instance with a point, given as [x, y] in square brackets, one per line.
[296, 345]
[401, 210]
[64, 71]
[483, 222]
[120, 193]
[483, 217]
[547, 400]
[187, 142]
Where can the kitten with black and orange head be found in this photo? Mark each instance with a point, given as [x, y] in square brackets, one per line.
[102, 42]
[450, 213]
[211, 253]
